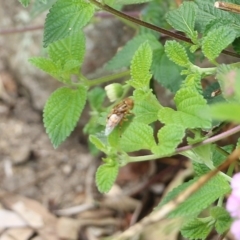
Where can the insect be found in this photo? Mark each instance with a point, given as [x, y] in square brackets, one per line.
[118, 114]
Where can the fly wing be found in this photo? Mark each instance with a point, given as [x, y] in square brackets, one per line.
[112, 122]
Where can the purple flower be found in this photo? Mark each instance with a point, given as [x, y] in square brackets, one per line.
[233, 205]
[235, 229]
[235, 184]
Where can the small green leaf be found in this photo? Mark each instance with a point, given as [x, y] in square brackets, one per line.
[146, 108]
[124, 56]
[46, 65]
[226, 112]
[62, 111]
[25, 3]
[71, 48]
[198, 228]
[217, 40]
[137, 136]
[192, 110]
[106, 176]
[169, 137]
[177, 53]
[222, 218]
[165, 71]
[140, 65]
[183, 18]
[98, 143]
[66, 18]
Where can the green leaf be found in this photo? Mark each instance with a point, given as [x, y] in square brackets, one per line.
[183, 18]
[201, 154]
[71, 48]
[106, 176]
[169, 137]
[25, 3]
[203, 198]
[140, 65]
[217, 40]
[135, 136]
[62, 111]
[38, 7]
[124, 56]
[193, 81]
[96, 97]
[206, 12]
[177, 53]
[66, 18]
[192, 110]
[222, 218]
[197, 228]
[45, 64]
[166, 72]
[226, 112]
[126, 2]
[98, 143]
[146, 108]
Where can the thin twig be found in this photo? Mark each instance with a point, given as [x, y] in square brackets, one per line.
[173, 204]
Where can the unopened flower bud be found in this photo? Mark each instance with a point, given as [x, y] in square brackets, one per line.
[114, 91]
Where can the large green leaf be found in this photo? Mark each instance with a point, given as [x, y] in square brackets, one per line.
[66, 18]
[203, 198]
[183, 18]
[62, 111]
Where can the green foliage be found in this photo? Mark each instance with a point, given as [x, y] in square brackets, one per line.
[198, 228]
[169, 137]
[125, 2]
[197, 106]
[216, 41]
[124, 56]
[66, 18]
[222, 219]
[183, 19]
[62, 112]
[106, 175]
[65, 57]
[201, 199]
[140, 65]
[166, 72]
[191, 106]
[176, 53]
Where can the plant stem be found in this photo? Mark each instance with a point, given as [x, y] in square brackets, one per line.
[188, 147]
[105, 79]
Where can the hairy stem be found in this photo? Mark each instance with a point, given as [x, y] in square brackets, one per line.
[105, 79]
